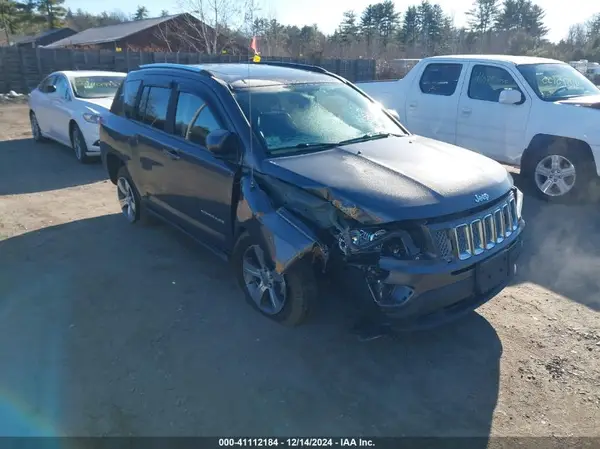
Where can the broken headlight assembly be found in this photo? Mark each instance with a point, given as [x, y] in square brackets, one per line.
[394, 243]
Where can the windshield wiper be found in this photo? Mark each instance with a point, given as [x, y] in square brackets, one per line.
[327, 145]
[368, 136]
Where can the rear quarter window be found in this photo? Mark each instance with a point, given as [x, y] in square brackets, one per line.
[440, 79]
[125, 98]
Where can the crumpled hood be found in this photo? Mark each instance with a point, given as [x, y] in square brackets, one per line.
[396, 178]
[98, 105]
[590, 101]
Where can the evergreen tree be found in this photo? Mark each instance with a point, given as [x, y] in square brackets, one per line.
[141, 13]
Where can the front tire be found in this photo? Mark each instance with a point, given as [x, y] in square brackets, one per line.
[289, 298]
[78, 144]
[36, 131]
[561, 173]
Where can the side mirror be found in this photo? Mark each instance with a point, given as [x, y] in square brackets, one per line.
[510, 96]
[223, 143]
[394, 113]
[50, 89]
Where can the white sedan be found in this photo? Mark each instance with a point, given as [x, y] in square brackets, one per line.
[67, 105]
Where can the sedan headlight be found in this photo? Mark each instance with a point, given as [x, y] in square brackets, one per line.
[519, 199]
[91, 117]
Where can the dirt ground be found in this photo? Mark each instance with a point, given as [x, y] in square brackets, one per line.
[112, 329]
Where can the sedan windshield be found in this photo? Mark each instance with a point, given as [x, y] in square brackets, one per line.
[554, 82]
[312, 117]
[96, 86]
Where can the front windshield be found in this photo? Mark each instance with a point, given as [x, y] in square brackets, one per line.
[96, 86]
[554, 82]
[300, 117]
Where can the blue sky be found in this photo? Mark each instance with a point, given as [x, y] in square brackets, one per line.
[327, 14]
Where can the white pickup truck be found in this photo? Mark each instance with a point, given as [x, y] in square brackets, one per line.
[530, 112]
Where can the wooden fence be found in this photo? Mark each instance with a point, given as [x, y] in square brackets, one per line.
[21, 69]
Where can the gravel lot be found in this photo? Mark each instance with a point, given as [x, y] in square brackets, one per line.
[111, 329]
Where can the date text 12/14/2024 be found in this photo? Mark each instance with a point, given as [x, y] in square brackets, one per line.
[296, 442]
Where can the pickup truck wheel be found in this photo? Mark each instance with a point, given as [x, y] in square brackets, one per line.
[560, 174]
[129, 200]
[79, 145]
[288, 298]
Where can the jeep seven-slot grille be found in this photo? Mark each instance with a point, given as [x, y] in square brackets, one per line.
[478, 233]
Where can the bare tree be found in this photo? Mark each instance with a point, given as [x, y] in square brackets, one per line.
[210, 25]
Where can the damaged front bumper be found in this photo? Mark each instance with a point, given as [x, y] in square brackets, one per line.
[426, 298]
[416, 296]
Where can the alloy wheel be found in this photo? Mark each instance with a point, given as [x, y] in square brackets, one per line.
[266, 287]
[555, 175]
[127, 199]
[77, 145]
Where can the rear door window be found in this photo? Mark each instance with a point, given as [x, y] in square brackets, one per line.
[440, 79]
[154, 105]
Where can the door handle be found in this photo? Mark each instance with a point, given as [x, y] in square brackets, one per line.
[466, 111]
[412, 105]
[172, 154]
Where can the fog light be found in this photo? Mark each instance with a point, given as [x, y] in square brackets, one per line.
[388, 295]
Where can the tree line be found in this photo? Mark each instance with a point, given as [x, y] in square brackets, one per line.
[30, 17]
[380, 31]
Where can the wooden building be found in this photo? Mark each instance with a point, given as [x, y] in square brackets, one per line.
[175, 33]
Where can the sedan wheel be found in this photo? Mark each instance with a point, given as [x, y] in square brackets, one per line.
[35, 128]
[127, 199]
[555, 175]
[265, 286]
[79, 146]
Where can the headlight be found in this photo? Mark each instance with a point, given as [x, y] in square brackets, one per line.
[519, 195]
[397, 243]
[359, 239]
[91, 117]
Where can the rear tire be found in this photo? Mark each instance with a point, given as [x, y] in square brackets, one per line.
[298, 284]
[127, 194]
[561, 172]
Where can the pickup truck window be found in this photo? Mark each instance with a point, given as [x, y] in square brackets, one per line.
[194, 119]
[554, 81]
[488, 81]
[153, 106]
[440, 79]
[313, 115]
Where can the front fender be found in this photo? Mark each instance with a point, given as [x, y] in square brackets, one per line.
[282, 234]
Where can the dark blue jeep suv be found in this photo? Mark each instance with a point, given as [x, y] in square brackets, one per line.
[292, 172]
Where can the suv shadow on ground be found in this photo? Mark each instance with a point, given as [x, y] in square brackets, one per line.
[106, 329]
[30, 167]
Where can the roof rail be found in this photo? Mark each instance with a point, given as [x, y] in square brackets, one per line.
[295, 65]
[168, 65]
